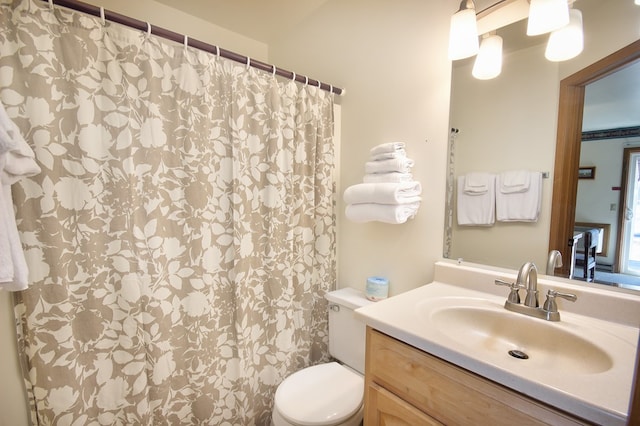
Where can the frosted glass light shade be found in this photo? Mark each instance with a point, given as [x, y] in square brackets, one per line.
[546, 16]
[567, 42]
[488, 63]
[637, 2]
[463, 35]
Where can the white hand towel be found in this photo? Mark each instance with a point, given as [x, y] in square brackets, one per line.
[520, 206]
[515, 181]
[476, 209]
[383, 193]
[388, 147]
[387, 213]
[401, 165]
[477, 182]
[387, 177]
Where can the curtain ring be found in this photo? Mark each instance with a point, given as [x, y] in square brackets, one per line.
[319, 85]
[51, 4]
[294, 76]
[331, 89]
[148, 29]
[186, 42]
[248, 63]
[102, 18]
[217, 50]
[273, 71]
[306, 81]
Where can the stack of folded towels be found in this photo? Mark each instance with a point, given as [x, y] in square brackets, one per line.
[388, 192]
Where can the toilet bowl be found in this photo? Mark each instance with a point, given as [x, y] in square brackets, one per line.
[330, 394]
[326, 394]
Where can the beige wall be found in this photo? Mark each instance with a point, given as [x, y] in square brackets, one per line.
[391, 58]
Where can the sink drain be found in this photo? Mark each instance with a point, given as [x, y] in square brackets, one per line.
[518, 354]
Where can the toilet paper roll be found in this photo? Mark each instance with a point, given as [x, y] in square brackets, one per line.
[377, 288]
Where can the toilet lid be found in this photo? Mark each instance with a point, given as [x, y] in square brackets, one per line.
[323, 394]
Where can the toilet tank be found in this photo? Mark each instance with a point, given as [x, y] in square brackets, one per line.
[346, 333]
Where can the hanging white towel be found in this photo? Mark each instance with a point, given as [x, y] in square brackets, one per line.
[387, 177]
[388, 147]
[515, 181]
[478, 182]
[383, 193]
[18, 161]
[523, 206]
[401, 165]
[476, 209]
[387, 213]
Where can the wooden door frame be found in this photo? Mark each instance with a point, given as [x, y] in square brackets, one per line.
[569, 137]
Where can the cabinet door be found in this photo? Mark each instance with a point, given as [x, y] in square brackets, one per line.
[386, 409]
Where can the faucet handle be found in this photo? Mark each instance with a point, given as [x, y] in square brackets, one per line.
[514, 295]
[550, 304]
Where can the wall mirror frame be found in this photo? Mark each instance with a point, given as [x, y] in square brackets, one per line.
[567, 158]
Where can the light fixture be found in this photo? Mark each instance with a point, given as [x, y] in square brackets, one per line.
[546, 16]
[463, 33]
[637, 2]
[488, 63]
[567, 42]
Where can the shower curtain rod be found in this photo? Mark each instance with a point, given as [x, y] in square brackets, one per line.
[180, 38]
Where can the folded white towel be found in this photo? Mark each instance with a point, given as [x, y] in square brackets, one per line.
[401, 165]
[477, 182]
[387, 213]
[383, 193]
[388, 155]
[388, 147]
[521, 206]
[515, 181]
[16, 162]
[476, 209]
[387, 177]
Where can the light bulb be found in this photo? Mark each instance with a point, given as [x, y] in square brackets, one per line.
[567, 42]
[488, 63]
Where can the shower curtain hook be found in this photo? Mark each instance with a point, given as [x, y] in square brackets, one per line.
[186, 42]
[331, 89]
[51, 4]
[306, 81]
[248, 63]
[294, 76]
[273, 71]
[148, 29]
[319, 85]
[104, 21]
[217, 51]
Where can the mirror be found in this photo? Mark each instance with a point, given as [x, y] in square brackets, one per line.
[511, 122]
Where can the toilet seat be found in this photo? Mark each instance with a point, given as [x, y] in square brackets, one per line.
[324, 394]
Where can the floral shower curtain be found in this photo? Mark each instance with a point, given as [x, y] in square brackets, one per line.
[180, 237]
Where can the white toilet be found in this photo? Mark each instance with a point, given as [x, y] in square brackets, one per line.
[331, 393]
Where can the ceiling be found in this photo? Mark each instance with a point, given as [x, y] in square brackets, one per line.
[610, 102]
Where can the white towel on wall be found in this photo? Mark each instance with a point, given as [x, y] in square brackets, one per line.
[388, 147]
[523, 206]
[16, 162]
[478, 182]
[387, 213]
[515, 181]
[476, 209]
[383, 193]
[387, 177]
[401, 165]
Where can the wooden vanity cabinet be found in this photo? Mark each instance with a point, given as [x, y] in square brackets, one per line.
[406, 386]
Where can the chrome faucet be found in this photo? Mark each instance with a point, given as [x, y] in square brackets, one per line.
[528, 279]
[554, 261]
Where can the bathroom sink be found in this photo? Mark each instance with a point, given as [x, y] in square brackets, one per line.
[492, 332]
